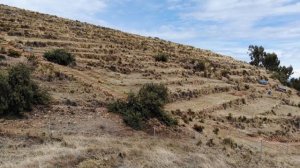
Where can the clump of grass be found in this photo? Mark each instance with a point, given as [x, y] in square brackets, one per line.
[247, 87]
[3, 50]
[198, 128]
[216, 131]
[33, 60]
[225, 73]
[13, 53]
[230, 142]
[2, 57]
[147, 104]
[199, 66]
[210, 143]
[246, 73]
[242, 118]
[199, 143]
[229, 117]
[89, 163]
[161, 58]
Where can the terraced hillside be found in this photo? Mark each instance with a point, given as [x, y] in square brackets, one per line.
[226, 119]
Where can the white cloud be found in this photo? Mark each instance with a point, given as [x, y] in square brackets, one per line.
[178, 4]
[238, 18]
[84, 10]
[169, 32]
[243, 11]
[296, 73]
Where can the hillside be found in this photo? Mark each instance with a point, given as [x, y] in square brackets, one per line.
[75, 130]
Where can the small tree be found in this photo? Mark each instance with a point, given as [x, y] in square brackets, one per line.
[295, 83]
[60, 56]
[256, 54]
[283, 74]
[271, 61]
[286, 71]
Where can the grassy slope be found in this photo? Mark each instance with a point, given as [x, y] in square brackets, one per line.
[76, 130]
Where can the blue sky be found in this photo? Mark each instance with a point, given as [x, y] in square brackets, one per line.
[224, 26]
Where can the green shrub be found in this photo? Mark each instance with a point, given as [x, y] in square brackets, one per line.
[4, 93]
[134, 119]
[18, 92]
[147, 104]
[60, 56]
[117, 106]
[14, 53]
[161, 58]
[154, 97]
